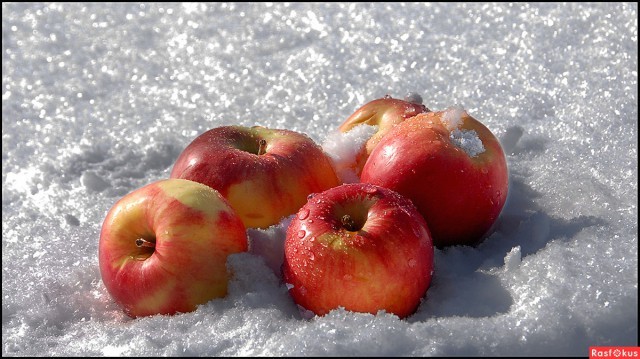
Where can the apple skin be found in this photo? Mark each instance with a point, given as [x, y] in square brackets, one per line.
[263, 188]
[193, 229]
[385, 112]
[383, 262]
[459, 195]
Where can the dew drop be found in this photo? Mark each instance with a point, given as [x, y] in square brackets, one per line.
[310, 221]
[347, 277]
[301, 233]
[311, 256]
[417, 232]
[371, 190]
[387, 96]
[303, 214]
[412, 263]
[310, 196]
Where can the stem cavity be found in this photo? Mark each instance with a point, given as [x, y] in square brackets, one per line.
[349, 223]
[141, 242]
[262, 148]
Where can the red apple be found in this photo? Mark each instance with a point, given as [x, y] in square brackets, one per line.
[361, 247]
[163, 247]
[265, 174]
[453, 169]
[385, 113]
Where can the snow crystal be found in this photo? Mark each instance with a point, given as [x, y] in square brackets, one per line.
[512, 259]
[342, 149]
[468, 141]
[269, 243]
[452, 117]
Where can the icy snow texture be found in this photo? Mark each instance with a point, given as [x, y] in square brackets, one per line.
[452, 117]
[468, 141]
[343, 148]
[99, 99]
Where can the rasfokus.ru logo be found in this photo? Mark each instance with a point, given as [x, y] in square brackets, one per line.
[614, 352]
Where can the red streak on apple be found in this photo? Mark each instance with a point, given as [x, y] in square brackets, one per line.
[263, 183]
[193, 231]
[385, 263]
[459, 195]
[385, 113]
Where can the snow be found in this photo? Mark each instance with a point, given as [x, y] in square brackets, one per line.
[100, 99]
[468, 141]
[343, 148]
[452, 117]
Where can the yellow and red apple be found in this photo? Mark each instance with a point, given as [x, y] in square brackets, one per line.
[453, 169]
[265, 174]
[384, 113]
[163, 247]
[361, 247]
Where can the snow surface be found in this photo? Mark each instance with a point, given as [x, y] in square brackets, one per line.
[100, 99]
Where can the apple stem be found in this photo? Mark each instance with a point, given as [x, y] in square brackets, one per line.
[263, 147]
[348, 223]
[141, 242]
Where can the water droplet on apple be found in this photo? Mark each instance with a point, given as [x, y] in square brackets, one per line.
[348, 277]
[484, 171]
[311, 256]
[303, 214]
[387, 96]
[310, 196]
[417, 232]
[412, 263]
[301, 233]
[310, 221]
[371, 190]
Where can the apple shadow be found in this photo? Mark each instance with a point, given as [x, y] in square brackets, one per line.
[525, 224]
[466, 281]
[474, 295]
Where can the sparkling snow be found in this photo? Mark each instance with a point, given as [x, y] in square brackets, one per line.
[100, 99]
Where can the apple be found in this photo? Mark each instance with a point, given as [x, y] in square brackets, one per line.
[453, 169]
[163, 247]
[384, 113]
[361, 247]
[265, 174]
